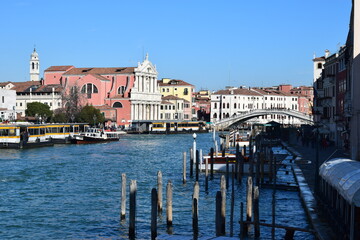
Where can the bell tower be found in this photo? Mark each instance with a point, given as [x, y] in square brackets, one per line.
[34, 66]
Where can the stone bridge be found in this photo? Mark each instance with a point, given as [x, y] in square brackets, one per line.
[234, 120]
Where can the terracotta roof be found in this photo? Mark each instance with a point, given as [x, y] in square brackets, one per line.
[319, 59]
[172, 97]
[3, 84]
[58, 68]
[237, 91]
[85, 71]
[25, 86]
[3, 109]
[174, 82]
[100, 77]
[166, 102]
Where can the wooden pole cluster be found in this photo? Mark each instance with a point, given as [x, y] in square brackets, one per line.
[197, 165]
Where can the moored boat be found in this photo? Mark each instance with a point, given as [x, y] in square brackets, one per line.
[24, 136]
[95, 135]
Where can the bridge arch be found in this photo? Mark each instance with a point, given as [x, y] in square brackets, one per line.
[242, 117]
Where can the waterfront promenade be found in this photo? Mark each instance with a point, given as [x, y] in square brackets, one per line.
[305, 174]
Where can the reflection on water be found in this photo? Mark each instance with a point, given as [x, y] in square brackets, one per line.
[73, 191]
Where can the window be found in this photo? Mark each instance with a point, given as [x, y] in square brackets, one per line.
[161, 107]
[215, 105]
[117, 105]
[319, 65]
[167, 90]
[89, 88]
[121, 90]
[186, 91]
[163, 89]
[3, 99]
[215, 115]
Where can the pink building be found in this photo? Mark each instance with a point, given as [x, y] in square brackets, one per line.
[126, 94]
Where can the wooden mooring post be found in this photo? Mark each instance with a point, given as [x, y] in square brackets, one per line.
[169, 201]
[184, 167]
[219, 217]
[243, 228]
[273, 197]
[197, 165]
[223, 202]
[195, 218]
[232, 202]
[132, 209]
[249, 199]
[227, 173]
[212, 163]
[191, 162]
[123, 196]
[206, 175]
[159, 191]
[256, 212]
[154, 211]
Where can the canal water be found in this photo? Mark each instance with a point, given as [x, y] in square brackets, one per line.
[73, 191]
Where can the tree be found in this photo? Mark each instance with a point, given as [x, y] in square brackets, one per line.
[38, 109]
[72, 101]
[91, 115]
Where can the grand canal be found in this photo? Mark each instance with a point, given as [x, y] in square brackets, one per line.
[73, 191]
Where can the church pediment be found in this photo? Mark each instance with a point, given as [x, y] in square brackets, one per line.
[146, 67]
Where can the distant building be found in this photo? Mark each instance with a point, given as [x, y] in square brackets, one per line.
[202, 105]
[234, 101]
[7, 105]
[173, 108]
[130, 92]
[34, 66]
[181, 89]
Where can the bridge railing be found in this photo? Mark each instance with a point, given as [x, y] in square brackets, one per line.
[249, 113]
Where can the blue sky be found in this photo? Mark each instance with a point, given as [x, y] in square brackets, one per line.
[211, 44]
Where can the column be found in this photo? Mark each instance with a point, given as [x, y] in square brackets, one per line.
[132, 112]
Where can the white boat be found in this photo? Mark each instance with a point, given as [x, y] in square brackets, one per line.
[96, 135]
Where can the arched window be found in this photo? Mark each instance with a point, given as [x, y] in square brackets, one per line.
[89, 88]
[228, 105]
[37, 65]
[215, 115]
[117, 105]
[319, 65]
[227, 115]
[33, 65]
[121, 90]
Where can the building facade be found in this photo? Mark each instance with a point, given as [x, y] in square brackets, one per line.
[7, 105]
[235, 101]
[132, 92]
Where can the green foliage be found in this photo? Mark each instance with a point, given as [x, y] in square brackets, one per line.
[91, 115]
[59, 117]
[38, 109]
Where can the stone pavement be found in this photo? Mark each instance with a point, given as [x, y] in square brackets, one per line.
[305, 174]
[308, 152]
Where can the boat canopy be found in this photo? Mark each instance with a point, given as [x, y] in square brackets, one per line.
[344, 175]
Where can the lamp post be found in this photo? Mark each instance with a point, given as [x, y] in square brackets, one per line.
[194, 147]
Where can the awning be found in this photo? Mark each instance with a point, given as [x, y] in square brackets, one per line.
[344, 176]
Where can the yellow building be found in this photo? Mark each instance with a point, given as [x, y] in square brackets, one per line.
[177, 88]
